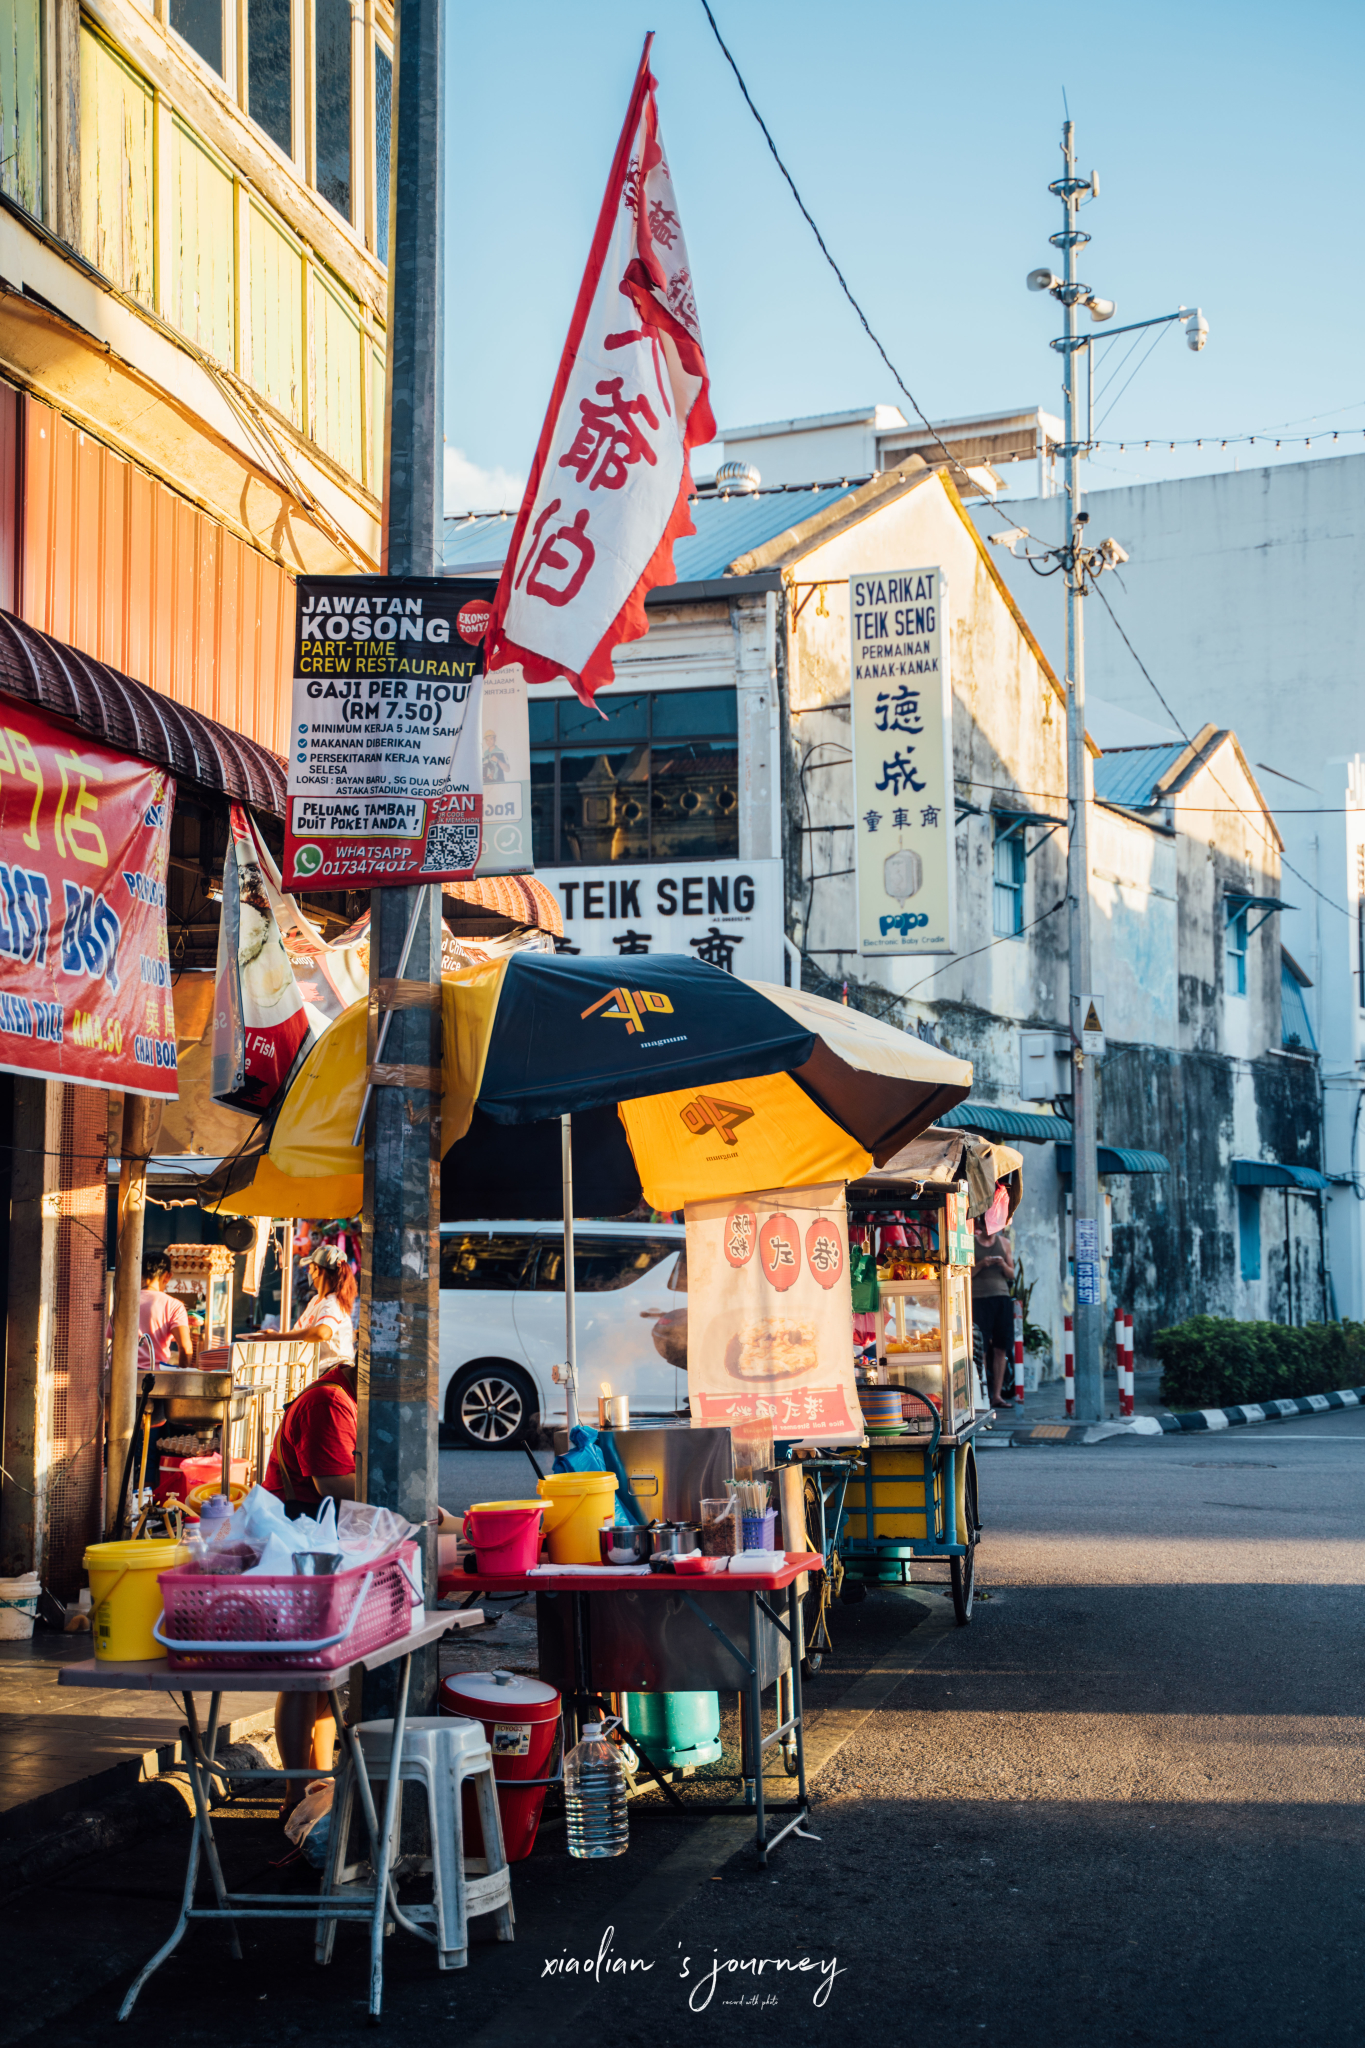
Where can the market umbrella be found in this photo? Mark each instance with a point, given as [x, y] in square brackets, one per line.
[716, 1085]
[692, 1084]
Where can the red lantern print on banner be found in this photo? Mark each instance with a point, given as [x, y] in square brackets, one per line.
[824, 1254]
[741, 1232]
[779, 1251]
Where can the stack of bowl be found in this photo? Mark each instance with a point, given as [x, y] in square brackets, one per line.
[881, 1408]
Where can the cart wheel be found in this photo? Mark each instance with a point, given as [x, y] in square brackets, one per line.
[789, 1761]
[814, 1632]
[964, 1568]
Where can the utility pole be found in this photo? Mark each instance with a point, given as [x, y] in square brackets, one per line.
[1081, 562]
[401, 1218]
[1085, 1183]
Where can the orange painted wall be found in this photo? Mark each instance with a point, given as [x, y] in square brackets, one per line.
[117, 565]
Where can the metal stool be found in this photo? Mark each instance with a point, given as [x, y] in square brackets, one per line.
[439, 1752]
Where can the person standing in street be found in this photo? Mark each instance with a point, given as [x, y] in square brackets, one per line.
[993, 1304]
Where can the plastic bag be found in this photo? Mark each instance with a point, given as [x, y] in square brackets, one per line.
[370, 1531]
[314, 1807]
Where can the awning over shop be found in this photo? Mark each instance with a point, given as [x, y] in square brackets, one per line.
[131, 719]
[1116, 1159]
[519, 897]
[1268, 1173]
[998, 1122]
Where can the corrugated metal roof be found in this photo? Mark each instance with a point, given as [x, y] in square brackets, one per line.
[132, 719]
[1116, 1159]
[1266, 1173]
[1130, 774]
[998, 1122]
[726, 528]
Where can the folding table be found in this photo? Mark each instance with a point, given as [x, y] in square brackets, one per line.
[697, 1590]
[356, 1902]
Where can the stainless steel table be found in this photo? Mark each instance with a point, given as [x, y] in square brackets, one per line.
[374, 1903]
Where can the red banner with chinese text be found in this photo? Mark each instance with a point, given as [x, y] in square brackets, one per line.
[770, 1314]
[609, 487]
[85, 975]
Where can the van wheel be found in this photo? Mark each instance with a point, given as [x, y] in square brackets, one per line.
[492, 1406]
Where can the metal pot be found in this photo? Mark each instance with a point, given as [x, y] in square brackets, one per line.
[673, 1539]
[625, 1546]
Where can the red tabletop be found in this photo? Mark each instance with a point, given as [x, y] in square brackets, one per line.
[609, 1580]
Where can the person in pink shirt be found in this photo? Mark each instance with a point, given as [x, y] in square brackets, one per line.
[162, 1317]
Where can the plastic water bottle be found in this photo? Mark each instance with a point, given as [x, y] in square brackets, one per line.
[595, 1796]
[214, 1514]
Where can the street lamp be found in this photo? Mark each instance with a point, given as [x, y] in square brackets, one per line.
[1081, 562]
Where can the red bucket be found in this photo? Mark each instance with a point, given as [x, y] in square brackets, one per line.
[505, 1534]
[520, 1717]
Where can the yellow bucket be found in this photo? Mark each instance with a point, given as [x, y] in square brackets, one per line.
[577, 1504]
[125, 1596]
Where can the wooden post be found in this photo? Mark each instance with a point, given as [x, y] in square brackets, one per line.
[141, 1122]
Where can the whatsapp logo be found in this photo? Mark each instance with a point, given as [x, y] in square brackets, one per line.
[307, 859]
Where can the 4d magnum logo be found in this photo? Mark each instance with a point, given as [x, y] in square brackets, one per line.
[711, 1113]
[630, 1006]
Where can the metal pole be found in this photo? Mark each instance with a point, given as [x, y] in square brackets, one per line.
[570, 1319]
[141, 1122]
[1089, 1365]
[401, 1217]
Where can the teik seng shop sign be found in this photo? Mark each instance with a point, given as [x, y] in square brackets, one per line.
[385, 754]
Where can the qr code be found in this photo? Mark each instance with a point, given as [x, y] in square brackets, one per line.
[451, 845]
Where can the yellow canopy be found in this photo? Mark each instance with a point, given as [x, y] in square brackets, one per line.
[703, 1144]
[312, 1167]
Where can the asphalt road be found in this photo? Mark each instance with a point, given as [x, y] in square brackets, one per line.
[1124, 1806]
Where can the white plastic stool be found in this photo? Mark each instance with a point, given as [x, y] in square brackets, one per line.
[439, 1752]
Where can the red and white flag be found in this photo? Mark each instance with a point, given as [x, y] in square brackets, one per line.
[609, 486]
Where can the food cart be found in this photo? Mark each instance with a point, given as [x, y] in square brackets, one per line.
[914, 1495]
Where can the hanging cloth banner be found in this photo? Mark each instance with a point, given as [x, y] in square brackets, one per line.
[279, 984]
[386, 742]
[770, 1313]
[608, 490]
[85, 977]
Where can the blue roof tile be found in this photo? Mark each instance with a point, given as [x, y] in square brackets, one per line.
[1128, 775]
[726, 528]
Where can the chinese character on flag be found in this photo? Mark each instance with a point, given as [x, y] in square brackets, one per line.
[609, 485]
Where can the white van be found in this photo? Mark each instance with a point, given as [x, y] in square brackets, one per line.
[502, 1324]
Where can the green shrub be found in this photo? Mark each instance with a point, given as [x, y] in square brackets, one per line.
[1212, 1362]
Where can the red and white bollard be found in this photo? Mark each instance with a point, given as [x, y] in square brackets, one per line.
[1018, 1354]
[1069, 1368]
[1126, 1404]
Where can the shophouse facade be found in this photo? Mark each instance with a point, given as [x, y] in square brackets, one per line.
[193, 234]
[724, 760]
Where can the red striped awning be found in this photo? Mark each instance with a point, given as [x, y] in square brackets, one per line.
[127, 716]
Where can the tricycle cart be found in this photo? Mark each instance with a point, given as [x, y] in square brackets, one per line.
[915, 1494]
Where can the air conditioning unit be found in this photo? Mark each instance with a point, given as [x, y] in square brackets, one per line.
[1044, 1065]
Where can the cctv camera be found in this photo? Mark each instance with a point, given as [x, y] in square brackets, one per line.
[1196, 331]
[1111, 554]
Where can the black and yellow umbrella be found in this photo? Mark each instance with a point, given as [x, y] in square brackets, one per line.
[684, 1083]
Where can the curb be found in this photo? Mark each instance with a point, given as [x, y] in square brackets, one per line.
[1195, 1419]
[1192, 1421]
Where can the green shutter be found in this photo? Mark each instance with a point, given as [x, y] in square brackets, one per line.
[21, 114]
[117, 182]
[276, 314]
[336, 340]
[202, 243]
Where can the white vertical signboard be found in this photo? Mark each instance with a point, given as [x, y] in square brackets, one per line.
[902, 763]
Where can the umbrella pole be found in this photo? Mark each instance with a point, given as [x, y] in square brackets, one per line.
[570, 1327]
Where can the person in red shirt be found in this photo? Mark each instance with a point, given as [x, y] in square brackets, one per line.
[312, 1457]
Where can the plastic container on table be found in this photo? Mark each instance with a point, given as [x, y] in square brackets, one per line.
[505, 1534]
[520, 1717]
[758, 1530]
[576, 1505]
[125, 1596]
[180, 1476]
[241, 1622]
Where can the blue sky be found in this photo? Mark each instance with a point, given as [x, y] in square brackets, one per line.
[1228, 139]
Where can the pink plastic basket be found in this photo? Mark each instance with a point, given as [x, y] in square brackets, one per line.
[228, 1623]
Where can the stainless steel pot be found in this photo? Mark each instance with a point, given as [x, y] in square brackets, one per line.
[625, 1546]
[673, 1539]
